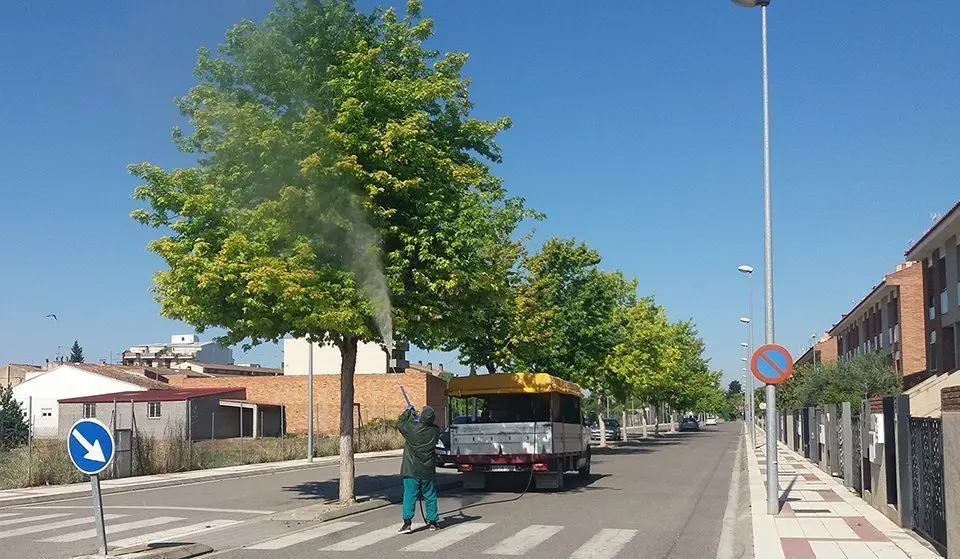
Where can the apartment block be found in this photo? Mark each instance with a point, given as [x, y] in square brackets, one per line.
[824, 350]
[938, 252]
[889, 320]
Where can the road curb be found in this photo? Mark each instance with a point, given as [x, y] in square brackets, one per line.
[317, 512]
[269, 468]
[184, 551]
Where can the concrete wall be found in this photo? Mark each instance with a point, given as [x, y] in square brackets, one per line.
[378, 395]
[951, 468]
[326, 358]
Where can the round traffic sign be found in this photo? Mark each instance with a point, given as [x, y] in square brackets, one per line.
[90, 446]
[771, 364]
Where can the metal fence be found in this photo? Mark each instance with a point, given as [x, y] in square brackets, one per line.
[857, 458]
[926, 472]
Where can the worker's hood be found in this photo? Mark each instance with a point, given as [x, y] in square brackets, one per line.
[428, 416]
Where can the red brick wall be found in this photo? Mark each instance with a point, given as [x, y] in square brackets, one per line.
[913, 346]
[378, 395]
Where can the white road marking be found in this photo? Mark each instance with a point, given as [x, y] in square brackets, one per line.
[144, 507]
[178, 532]
[6, 514]
[113, 529]
[524, 540]
[53, 526]
[448, 536]
[304, 536]
[607, 543]
[364, 540]
[31, 519]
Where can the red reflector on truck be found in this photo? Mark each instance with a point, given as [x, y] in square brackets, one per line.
[465, 467]
[539, 467]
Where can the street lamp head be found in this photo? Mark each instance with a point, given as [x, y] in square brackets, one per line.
[751, 3]
[746, 269]
[744, 359]
[744, 320]
[743, 344]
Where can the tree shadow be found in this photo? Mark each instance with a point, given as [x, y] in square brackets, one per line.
[381, 486]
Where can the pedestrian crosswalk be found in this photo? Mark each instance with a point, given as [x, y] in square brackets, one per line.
[76, 528]
[342, 537]
[51, 531]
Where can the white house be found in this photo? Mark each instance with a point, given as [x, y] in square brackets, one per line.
[39, 395]
[182, 348]
[371, 358]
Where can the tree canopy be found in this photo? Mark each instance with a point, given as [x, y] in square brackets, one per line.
[342, 190]
[861, 377]
[76, 352]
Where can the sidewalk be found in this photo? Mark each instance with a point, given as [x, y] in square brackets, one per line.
[30, 495]
[820, 518]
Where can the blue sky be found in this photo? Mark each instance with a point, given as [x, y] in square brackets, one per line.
[636, 129]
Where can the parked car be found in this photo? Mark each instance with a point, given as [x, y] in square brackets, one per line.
[614, 432]
[689, 424]
[444, 452]
[710, 421]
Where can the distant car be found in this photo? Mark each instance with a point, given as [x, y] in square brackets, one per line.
[444, 452]
[614, 432]
[689, 424]
[710, 421]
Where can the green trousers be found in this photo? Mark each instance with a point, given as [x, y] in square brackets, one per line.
[414, 489]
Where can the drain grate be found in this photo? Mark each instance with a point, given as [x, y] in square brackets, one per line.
[810, 511]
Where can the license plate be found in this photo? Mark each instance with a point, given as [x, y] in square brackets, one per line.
[502, 469]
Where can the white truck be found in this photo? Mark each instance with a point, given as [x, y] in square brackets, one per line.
[525, 422]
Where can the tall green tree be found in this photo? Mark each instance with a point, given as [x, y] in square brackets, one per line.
[14, 430]
[862, 377]
[570, 314]
[342, 190]
[76, 352]
[734, 387]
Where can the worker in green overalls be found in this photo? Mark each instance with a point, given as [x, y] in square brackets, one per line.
[419, 466]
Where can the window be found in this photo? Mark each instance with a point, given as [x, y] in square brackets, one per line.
[931, 308]
[932, 352]
[46, 412]
[153, 410]
[89, 410]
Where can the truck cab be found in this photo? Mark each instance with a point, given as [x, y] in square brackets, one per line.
[522, 422]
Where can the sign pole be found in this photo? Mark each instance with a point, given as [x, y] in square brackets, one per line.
[98, 515]
[772, 364]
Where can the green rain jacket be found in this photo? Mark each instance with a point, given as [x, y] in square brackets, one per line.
[420, 441]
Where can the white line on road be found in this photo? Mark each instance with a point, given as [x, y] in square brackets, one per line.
[607, 543]
[54, 526]
[179, 532]
[6, 514]
[364, 540]
[524, 540]
[304, 536]
[113, 529]
[32, 519]
[448, 536]
[158, 507]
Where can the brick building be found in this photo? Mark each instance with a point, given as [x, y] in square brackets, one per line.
[889, 320]
[378, 395]
[823, 351]
[939, 253]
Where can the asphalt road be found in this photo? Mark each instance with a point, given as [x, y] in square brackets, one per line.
[655, 498]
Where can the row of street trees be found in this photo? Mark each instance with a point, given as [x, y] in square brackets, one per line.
[343, 192]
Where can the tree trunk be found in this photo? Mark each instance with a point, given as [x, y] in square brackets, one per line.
[603, 430]
[673, 421]
[656, 421]
[348, 366]
[623, 427]
[643, 422]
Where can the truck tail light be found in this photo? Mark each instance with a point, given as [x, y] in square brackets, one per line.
[539, 467]
[465, 467]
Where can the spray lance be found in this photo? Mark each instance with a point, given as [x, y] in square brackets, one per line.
[410, 407]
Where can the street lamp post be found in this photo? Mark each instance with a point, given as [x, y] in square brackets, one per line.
[748, 322]
[773, 497]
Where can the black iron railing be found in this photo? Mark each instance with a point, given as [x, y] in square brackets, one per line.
[926, 471]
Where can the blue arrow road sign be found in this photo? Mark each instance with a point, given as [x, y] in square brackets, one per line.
[90, 446]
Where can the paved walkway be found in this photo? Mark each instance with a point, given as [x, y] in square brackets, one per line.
[820, 518]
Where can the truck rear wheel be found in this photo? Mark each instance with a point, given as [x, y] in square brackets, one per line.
[584, 472]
